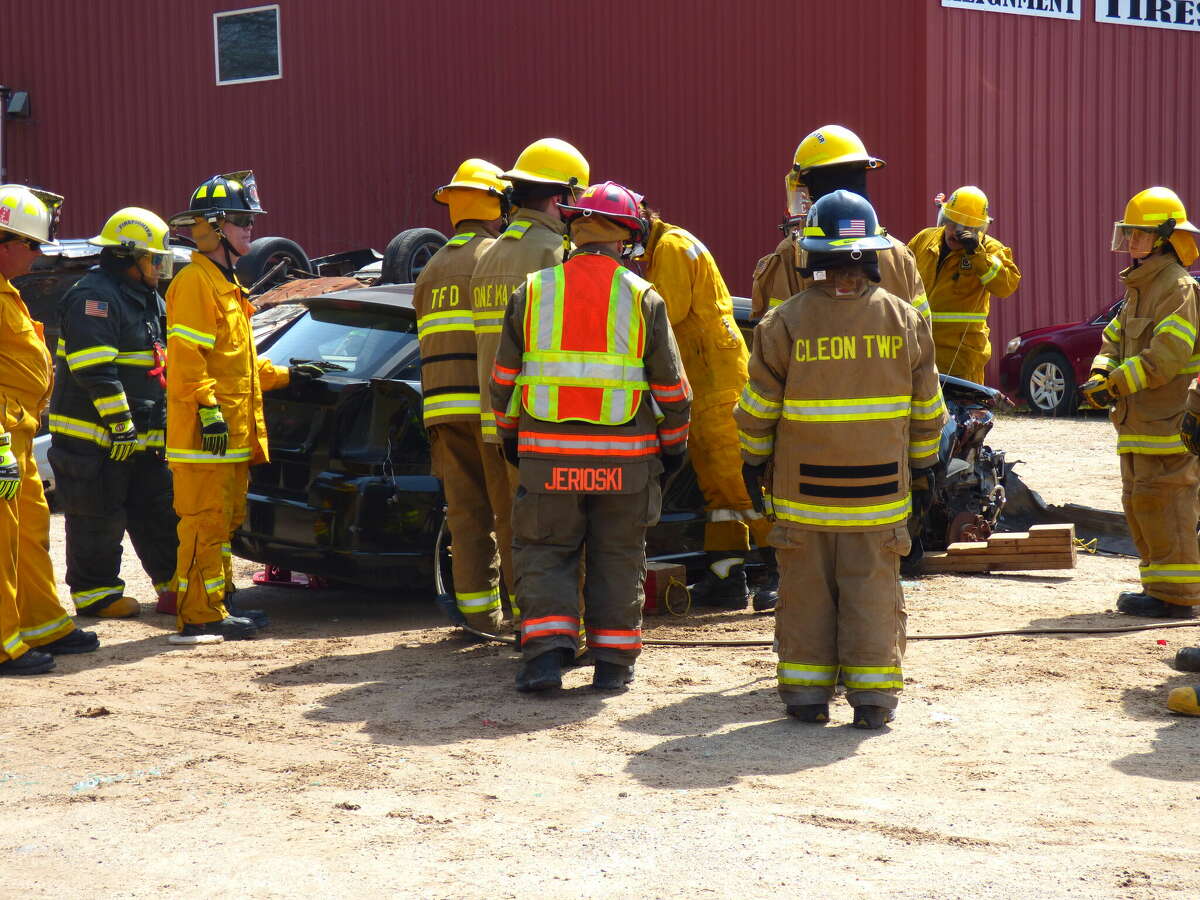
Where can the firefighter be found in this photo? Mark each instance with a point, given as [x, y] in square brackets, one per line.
[586, 360]
[477, 198]
[963, 267]
[714, 354]
[831, 158]
[840, 419]
[547, 171]
[108, 417]
[215, 428]
[1147, 358]
[34, 627]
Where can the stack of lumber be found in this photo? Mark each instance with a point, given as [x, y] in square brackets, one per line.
[1042, 547]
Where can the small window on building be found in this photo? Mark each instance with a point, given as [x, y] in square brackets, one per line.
[247, 45]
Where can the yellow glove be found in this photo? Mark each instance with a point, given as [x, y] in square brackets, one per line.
[10, 472]
[1099, 392]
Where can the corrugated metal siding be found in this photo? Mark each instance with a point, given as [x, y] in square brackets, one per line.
[698, 104]
[1060, 122]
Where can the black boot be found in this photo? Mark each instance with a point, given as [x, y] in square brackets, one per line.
[872, 717]
[256, 616]
[609, 676]
[542, 673]
[31, 662]
[227, 629]
[1188, 659]
[766, 593]
[817, 713]
[1141, 604]
[77, 641]
[728, 591]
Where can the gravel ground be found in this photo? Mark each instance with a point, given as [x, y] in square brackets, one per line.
[361, 749]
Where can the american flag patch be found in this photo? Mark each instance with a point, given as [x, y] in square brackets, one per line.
[852, 228]
[98, 308]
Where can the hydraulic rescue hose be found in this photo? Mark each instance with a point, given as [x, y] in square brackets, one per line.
[952, 636]
[949, 636]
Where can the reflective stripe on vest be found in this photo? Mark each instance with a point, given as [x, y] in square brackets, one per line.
[583, 362]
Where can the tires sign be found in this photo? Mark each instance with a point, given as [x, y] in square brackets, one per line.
[1047, 9]
[1182, 15]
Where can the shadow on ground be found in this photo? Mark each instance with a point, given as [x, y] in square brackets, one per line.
[1177, 738]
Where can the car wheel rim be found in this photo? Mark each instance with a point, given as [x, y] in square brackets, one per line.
[1047, 386]
[421, 257]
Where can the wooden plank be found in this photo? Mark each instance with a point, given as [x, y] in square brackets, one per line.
[1067, 529]
[946, 562]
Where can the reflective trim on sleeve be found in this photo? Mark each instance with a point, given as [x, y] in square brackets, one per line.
[773, 302]
[1177, 326]
[924, 449]
[759, 406]
[843, 516]
[921, 304]
[872, 678]
[759, 446]
[993, 270]
[441, 322]
[669, 437]
[504, 376]
[1106, 363]
[1193, 365]
[192, 335]
[850, 409]
[91, 356]
[138, 359]
[112, 405]
[1131, 375]
[933, 408]
[958, 317]
[794, 673]
[1112, 331]
[487, 422]
[666, 393]
[1153, 444]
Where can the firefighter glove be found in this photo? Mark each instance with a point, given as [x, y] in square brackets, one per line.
[10, 472]
[1189, 433]
[124, 440]
[671, 464]
[510, 450]
[969, 240]
[1098, 392]
[214, 433]
[309, 370]
[922, 490]
[752, 477]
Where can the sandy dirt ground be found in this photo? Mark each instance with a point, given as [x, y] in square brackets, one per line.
[362, 749]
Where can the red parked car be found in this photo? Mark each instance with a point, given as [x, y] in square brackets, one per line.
[1044, 367]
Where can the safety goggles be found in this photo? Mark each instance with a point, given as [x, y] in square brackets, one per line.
[241, 220]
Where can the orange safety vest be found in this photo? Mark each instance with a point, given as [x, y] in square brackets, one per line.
[584, 342]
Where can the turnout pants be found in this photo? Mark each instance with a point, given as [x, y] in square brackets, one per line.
[717, 459]
[30, 613]
[551, 532]
[460, 460]
[101, 500]
[210, 500]
[1158, 493]
[501, 481]
[841, 611]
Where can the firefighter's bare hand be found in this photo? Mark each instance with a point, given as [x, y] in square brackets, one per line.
[10, 472]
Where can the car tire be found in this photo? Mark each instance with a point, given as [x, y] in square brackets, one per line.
[407, 253]
[265, 253]
[1048, 382]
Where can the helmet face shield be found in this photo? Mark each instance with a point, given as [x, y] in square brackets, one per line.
[799, 200]
[1138, 242]
[163, 265]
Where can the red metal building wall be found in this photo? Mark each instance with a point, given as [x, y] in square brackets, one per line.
[1060, 122]
[699, 104]
[696, 103]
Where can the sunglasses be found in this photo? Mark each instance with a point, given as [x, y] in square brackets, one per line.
[32, 243]
[241, 220]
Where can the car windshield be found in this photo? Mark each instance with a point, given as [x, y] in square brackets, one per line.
[367, 343]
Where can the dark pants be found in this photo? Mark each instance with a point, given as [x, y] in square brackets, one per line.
[101, 500]
[550, 535]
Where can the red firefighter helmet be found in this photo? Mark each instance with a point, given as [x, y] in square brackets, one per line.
[614, 202]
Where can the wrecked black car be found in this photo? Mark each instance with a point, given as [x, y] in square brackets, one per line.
[348, 495]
